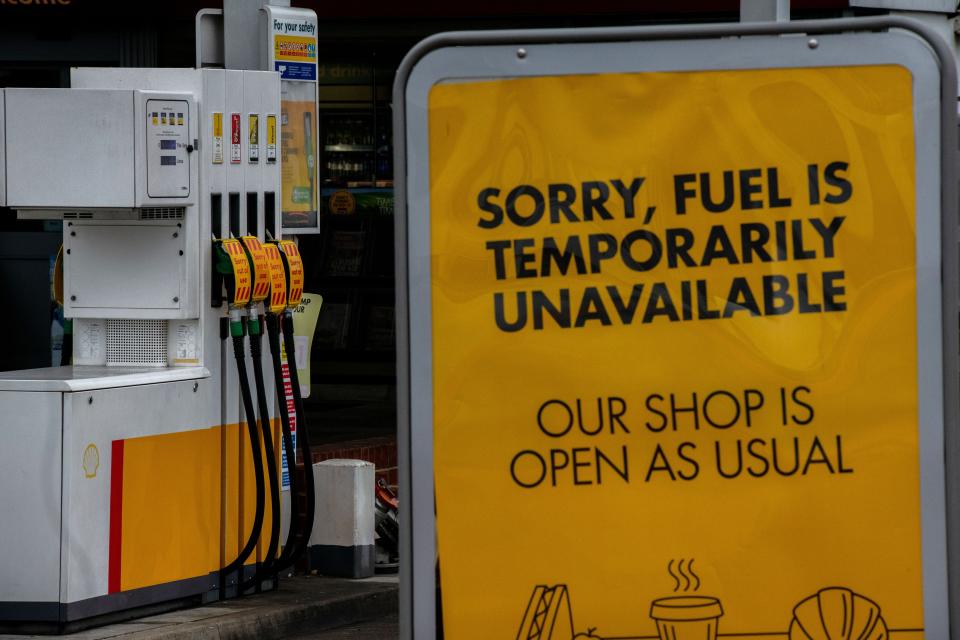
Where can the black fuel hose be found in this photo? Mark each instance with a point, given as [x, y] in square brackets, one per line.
[303, 442]
[256, 354]
[66, 347]
[66, 350]
[251, 417]
[273, 337]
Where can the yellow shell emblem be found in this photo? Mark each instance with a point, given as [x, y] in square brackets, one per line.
[91, 461]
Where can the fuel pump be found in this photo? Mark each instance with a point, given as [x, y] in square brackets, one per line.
[146, 425]
[235, 267]
[257, 257]
[284, 253]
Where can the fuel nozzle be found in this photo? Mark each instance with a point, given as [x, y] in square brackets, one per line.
[235, 268]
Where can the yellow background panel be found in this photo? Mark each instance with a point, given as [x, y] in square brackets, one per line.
[171, 507]
[175, 524]
[758, 544]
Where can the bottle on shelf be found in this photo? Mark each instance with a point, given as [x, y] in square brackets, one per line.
[384, 167]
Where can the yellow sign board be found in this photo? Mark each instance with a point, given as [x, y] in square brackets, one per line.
[305, 317]
[298, 166]
[674, 349]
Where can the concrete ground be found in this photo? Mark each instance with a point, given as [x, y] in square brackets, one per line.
[302, 607]
[379, 629]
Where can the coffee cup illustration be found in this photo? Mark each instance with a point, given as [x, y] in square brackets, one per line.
[686, 617]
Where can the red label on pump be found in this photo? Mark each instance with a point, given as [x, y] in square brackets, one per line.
[234, 138]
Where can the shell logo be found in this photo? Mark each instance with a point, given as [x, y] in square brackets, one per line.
[91, 461]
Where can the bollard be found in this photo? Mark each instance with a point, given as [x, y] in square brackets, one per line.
[341, 543]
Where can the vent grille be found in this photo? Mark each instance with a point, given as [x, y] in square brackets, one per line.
[137, 343]
[162, 213]
[77, 215]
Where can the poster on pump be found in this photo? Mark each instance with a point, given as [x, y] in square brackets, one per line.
[678, 332]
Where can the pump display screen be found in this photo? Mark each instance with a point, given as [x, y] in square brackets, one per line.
[168, 162]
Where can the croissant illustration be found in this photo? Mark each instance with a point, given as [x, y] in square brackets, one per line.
[837, 613]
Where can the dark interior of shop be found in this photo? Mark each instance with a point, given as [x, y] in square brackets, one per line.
[350, 262]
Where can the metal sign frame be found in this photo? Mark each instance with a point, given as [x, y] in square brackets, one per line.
[843, 42]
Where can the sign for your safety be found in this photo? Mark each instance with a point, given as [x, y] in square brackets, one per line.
[293, 50]
[673, 332]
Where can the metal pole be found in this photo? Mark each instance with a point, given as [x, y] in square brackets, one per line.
[764, 10]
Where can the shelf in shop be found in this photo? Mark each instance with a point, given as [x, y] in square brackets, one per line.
[323, 353]
[346, 281]
[348, 148]
[351, 185]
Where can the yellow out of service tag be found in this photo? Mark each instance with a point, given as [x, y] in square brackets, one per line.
[241, 272]
[278, 278]
[261, 268]
[295, 266]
